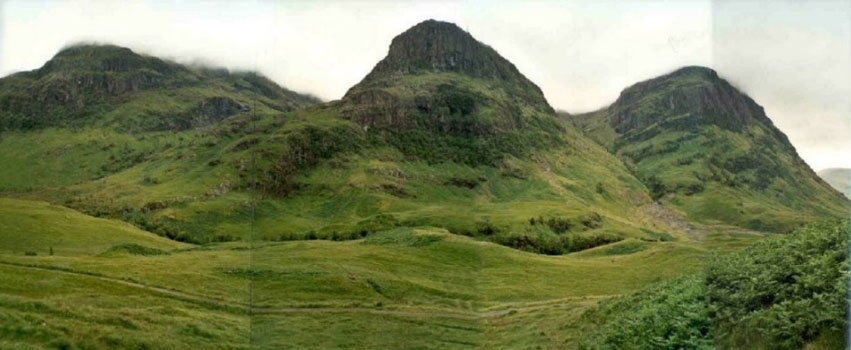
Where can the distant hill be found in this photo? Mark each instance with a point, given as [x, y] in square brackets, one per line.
[702, 146]
[109, 85]
[839, 178]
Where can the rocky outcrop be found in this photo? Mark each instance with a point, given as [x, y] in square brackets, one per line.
[79, 88]
[434, 46]
[206, 113]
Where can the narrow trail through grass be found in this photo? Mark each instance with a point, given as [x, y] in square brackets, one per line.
[492, 312]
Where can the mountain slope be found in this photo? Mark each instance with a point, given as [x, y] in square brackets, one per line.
[109, 85]
[44, 229]
[839, 178]
[451, 137]
[704, 147]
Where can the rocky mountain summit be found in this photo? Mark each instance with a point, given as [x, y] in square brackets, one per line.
[440, 85]
[434, 46]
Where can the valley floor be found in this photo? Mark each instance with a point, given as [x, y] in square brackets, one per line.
[406, 288]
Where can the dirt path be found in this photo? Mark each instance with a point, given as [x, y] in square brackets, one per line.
[183, 296]
[491, 312]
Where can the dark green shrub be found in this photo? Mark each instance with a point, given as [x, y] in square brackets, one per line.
[656, 187]
[559, 225]
[223, 238]
[672, 315]
[591, 220]
[552, 244]
[694, 188]
[486, 228]
[784, 292]
[377, 223]
[135, 249]
[575, 243]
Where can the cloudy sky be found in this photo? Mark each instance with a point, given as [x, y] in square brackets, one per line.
[794, 58]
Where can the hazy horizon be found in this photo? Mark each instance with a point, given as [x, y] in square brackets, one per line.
[794, 59]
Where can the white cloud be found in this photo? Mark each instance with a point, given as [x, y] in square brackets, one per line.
[793, 58]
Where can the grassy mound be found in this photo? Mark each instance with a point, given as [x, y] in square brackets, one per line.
[38, 227]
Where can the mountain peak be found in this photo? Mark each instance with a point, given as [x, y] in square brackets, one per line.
[104, 58]
[87, 49]
[695, 71]
[438, 80]
[435, 46]
[693, 90]
[440, 48]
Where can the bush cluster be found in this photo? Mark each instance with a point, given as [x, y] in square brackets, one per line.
[782, 293]
[550, 244]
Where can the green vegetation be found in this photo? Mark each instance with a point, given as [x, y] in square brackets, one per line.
[782, 293]
[673, 315]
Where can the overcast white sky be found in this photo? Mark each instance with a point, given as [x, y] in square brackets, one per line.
[794, 58]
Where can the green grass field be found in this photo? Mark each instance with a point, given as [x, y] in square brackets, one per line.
[416, 288]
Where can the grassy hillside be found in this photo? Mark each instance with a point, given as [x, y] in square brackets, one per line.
[418, 287]
[197, 187]
[702, 146]
[113, 86]
[44, 229]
